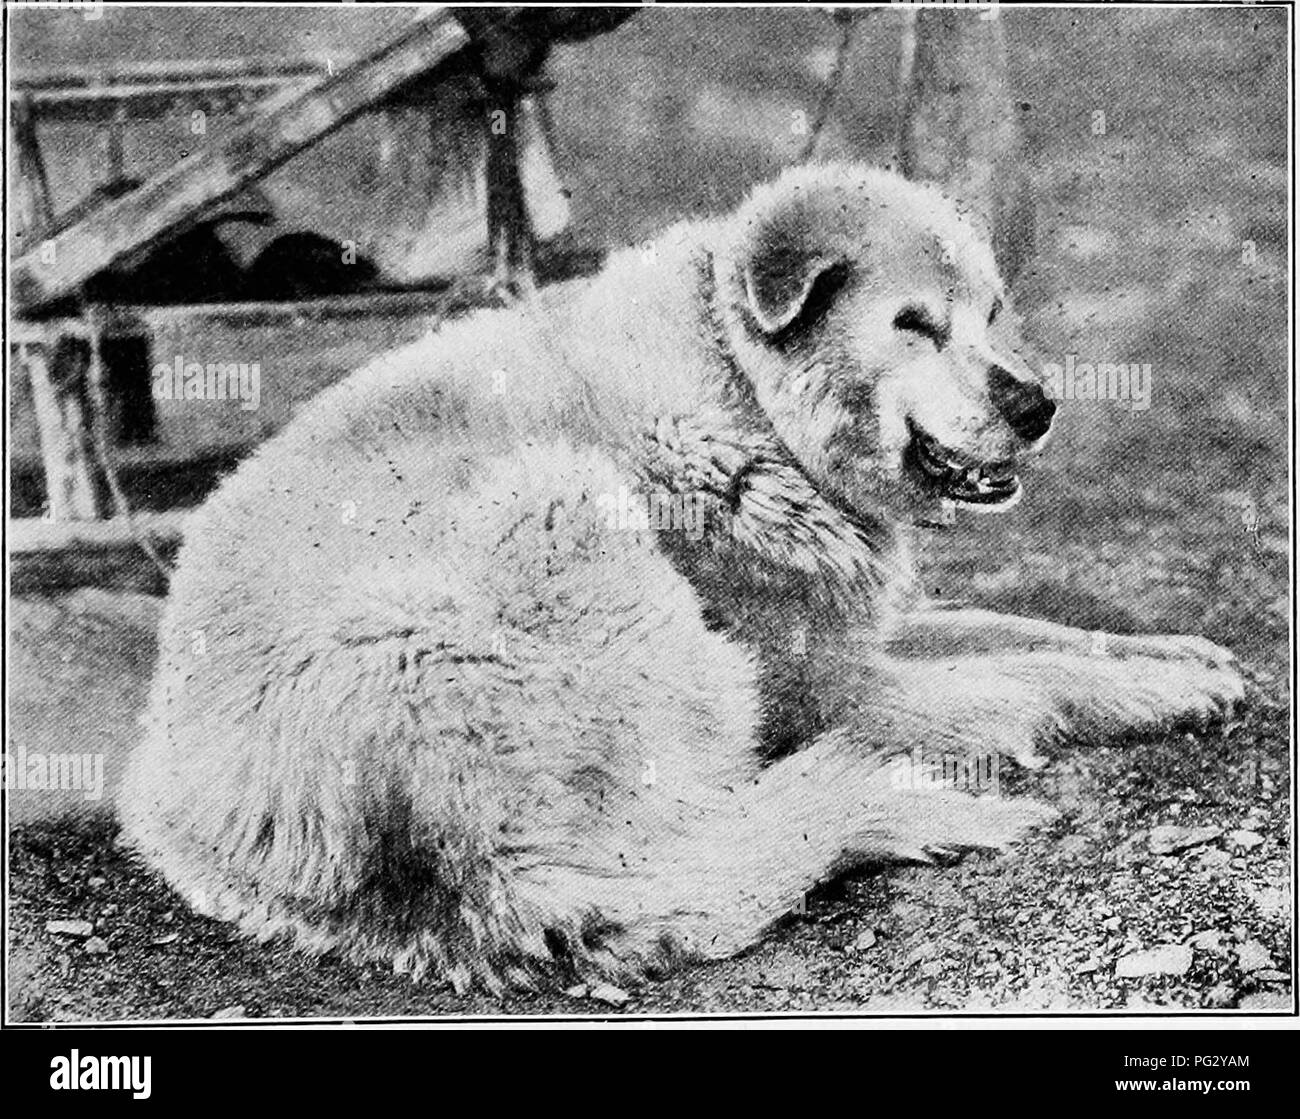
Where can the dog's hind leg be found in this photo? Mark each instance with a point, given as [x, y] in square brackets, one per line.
[803, 820]
[856, 796]
[468, 738]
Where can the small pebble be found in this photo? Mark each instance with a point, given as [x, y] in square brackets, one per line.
[1245, 840]
[926, 951]
[229, 1012]
[609, 994]
[1073, 845]
[96, 946]
[80, 929]
[1168, 959]
[1253, 956]
[1169, 839]
[1211, 940]
[1221, 997]
[865, 940]
[1273, 901]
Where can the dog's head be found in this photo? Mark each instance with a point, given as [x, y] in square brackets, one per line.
[870, 320]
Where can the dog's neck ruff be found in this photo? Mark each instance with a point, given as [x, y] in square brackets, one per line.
[759, 495]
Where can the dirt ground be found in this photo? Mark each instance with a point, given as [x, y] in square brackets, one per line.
[1166, 882]
[1043, 927]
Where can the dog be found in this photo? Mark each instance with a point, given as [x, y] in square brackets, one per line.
[579, 639]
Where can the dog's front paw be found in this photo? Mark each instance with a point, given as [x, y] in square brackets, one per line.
[1225, 689]
[1178, 647]
[1207, 678]
[1161, 680]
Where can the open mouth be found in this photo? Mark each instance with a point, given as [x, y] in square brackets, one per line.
[956, 476]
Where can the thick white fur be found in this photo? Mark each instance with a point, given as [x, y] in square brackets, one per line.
[420, 699]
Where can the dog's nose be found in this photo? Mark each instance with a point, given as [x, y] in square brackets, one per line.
[1023, 405]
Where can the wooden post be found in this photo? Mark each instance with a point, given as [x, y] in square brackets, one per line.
[510, 233]
[114, 142]
[33, 207]
[54, 365]
[57, 375]
[960, 127]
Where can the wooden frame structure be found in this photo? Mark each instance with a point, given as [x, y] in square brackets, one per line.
[300, 106]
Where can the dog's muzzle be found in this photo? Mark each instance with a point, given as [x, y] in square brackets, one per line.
[951, 474]
[1026, 408]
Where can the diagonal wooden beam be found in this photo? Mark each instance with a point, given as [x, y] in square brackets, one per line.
[179, 196]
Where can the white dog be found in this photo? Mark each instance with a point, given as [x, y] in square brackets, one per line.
[579, 637]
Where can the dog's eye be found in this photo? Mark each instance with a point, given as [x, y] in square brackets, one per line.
[917, 320]
[995, 312]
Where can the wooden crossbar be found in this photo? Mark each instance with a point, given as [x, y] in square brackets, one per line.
[180, 196]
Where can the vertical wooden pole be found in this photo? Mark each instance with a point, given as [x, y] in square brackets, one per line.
[55, 367]
[960, 127]
[114, 145]
[510, 233]
[57, 374]
[33, 206]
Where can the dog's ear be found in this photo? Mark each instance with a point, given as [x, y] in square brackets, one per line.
[790, 256]
[779, 286]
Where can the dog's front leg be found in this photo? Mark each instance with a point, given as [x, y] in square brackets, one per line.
[938, 633]
[982, 682]
[1012, 703]
[944, 632]
[1154, 682]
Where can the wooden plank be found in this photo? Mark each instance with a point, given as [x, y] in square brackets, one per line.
[55, 372]
[47, 81]
[155, 91]
[33, 205]
[156, 102]
[127, 319]
[47, 558]
[171, 201]
[148, 90]
[31, 535]
[119, 321]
